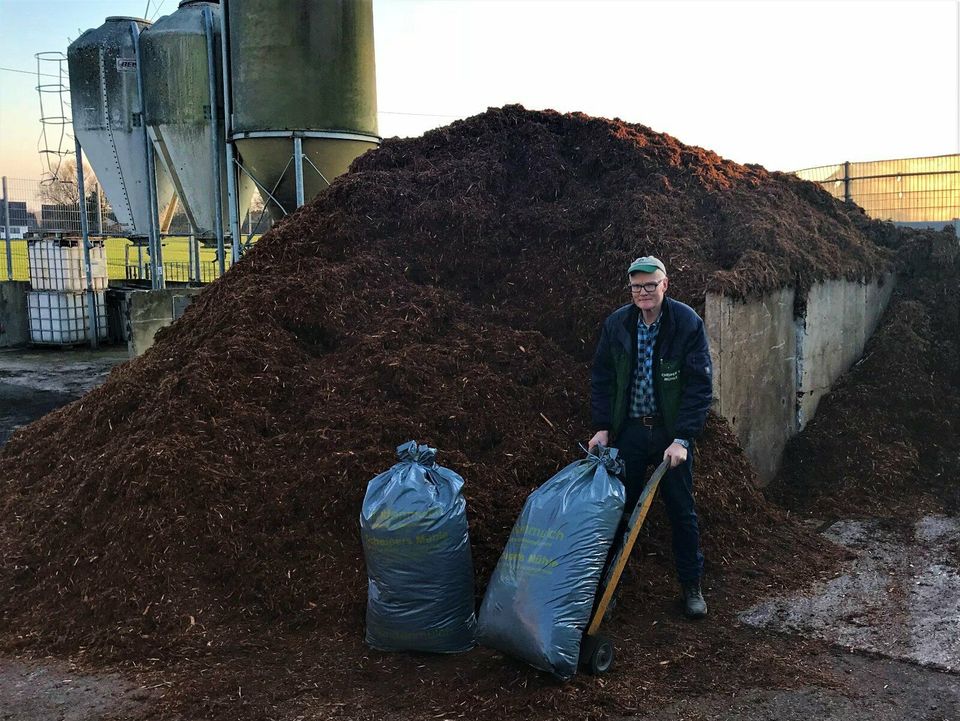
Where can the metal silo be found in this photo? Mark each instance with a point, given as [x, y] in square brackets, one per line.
[183, 95]
[108, 122]
[303, 79]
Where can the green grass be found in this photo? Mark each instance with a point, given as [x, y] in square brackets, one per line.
[122, 255]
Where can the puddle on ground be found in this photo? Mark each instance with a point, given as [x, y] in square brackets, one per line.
[900, 598]
[69, 371]
[34, 382]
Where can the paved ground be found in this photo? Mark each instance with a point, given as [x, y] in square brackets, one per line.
[54, 691]
[893, 614]
[900, 598]
[884, 691]
[34, 382]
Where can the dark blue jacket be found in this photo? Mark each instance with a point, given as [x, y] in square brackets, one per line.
[682, 371]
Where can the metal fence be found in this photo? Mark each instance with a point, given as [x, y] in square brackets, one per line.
[52, 209]
[909, 191]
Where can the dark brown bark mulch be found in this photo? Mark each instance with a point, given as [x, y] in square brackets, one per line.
[196, 516]
[886, 439]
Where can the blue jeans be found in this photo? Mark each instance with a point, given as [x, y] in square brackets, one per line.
[642, 447]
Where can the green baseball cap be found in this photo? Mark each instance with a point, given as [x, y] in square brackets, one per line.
[646, 264]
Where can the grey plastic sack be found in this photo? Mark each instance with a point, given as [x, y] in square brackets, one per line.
[413, 525]
[542, 592]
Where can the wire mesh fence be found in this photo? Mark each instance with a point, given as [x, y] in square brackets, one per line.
[53, 206]
[44, 209]
[914, 191]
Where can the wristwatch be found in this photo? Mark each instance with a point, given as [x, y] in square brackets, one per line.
[683, 442]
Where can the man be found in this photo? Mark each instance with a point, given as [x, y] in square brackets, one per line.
[651, 387]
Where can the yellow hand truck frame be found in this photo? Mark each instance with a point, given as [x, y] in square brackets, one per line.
[596, 651]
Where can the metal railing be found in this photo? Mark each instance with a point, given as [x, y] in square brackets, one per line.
[39, 209]
[913, 191]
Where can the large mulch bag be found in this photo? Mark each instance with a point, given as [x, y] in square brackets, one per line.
[415, 540]
[541, 594]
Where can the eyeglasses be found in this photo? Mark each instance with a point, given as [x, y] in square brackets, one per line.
[645, 287]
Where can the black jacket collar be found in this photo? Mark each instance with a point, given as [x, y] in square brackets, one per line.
[633, 317]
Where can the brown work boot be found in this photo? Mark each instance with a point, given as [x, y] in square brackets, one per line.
[693, 604]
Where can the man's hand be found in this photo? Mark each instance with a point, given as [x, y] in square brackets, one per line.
[599, 438]
[676, 454]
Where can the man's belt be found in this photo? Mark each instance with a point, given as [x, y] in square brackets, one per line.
[647, 421]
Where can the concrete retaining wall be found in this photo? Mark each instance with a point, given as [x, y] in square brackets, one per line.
[771, 369]
[841, 316]
[753, 347]
[14, 318]
[150, 310]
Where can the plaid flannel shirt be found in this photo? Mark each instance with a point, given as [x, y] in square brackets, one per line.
[643, 401]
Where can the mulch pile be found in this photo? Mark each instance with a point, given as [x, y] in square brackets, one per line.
[886, 440]
[196, 517]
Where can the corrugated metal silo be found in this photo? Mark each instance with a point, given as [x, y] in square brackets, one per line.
[301, 69]
[176, 85]
[108, 121]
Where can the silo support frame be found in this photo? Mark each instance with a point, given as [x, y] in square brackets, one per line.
[157, 281]
[196, 262]
[319, 172]
[167, 220]
[262, 188]
[232, 203]
[99, 210]
[214, 134]
[323, 134]
[93, 323]
[298, 168]
[193, 260]
[297, 158]
[233, 199]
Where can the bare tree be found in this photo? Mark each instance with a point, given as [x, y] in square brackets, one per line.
[257, 219]
[62, 188]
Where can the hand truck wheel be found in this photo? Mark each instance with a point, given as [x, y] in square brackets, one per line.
[597, 654]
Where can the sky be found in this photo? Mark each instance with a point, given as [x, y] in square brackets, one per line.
[785, 84]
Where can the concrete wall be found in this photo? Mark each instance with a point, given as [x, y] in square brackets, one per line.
[771, 369]
[150, 310]
[753, 348]
[140, 312]
[14, 318]
[841, 316]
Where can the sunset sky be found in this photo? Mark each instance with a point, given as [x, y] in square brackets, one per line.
[784, 84]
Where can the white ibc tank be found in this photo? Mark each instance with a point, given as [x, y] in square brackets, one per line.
[62, 319]
[57, 264]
